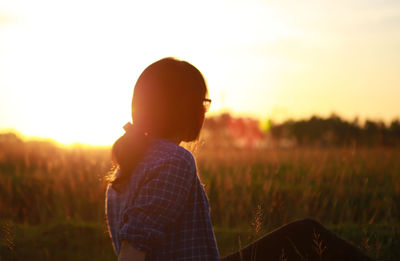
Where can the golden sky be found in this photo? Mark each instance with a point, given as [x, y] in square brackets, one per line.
[67, 68]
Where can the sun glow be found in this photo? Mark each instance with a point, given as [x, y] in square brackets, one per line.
[68, 68]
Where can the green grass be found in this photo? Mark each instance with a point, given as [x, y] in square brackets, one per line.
[66, 240]
[71, 240]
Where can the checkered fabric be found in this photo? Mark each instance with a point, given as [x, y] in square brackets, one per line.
[164, 210]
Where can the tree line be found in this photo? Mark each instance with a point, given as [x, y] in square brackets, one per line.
[334, 131]
[225, 130]
[314, 131]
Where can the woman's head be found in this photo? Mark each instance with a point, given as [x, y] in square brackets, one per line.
[168, 102]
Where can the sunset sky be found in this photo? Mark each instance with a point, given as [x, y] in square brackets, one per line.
[67, 68]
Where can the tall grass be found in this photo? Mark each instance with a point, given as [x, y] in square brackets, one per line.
[355, 192]
[335, 186]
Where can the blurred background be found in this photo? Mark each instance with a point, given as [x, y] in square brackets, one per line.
[304, 120]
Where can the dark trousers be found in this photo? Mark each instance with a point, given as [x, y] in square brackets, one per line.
[300, 240]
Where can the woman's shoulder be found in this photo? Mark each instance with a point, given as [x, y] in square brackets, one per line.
[163, 151]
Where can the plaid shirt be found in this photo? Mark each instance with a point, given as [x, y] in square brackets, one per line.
[164, 210]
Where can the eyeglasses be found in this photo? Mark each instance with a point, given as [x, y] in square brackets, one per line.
[206, 104]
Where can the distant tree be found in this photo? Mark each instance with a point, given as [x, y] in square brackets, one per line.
[334, 131]
[394, 131]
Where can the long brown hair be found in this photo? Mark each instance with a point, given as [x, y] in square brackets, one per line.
[167, 103]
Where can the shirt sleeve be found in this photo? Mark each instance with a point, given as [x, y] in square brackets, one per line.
[159, 203]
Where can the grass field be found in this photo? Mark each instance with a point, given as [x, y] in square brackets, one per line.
[52, 198]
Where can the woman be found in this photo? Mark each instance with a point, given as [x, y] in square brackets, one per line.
[156, 205]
